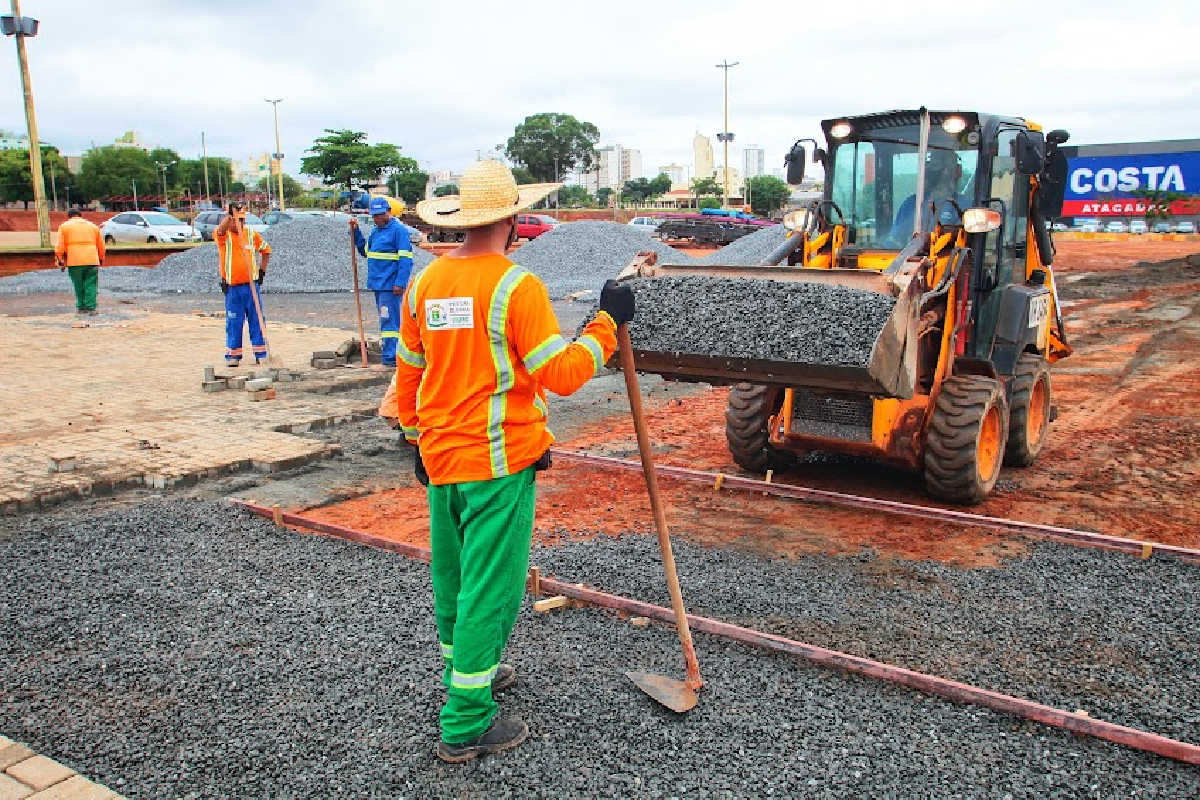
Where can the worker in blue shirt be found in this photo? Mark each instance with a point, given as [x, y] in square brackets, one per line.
[389, 265]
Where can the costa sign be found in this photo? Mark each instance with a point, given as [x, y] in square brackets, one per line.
[1107, 184]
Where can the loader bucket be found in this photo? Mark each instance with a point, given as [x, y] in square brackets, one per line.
[889, 371]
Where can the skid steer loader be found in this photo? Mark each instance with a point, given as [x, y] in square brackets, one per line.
[946, 212]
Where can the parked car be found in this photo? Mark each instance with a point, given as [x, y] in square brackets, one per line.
[647, 224]
[1058, 226]
[531, 226]
[207, 222]
[276, 217]
[1161, 227]
[1138, 226]
[1087, 226]
[1116, 226]
[147, 226]
[1187, 226]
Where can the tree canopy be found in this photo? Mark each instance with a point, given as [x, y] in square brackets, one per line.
[292, 188]
[522, 176]
[604, 196]
[443, 191]
[1158, 203]
[16, 175]
[706, 186]
[409, 186]
[549, 145]
[768, 194]
[574, 197]
[344, 158]
[642, 189]
[111, 171]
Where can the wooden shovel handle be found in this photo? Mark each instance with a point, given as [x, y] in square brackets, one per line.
[656, 505]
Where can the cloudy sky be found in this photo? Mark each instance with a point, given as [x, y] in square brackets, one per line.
[445, 79]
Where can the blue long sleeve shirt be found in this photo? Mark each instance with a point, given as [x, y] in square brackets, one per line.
[389, 255]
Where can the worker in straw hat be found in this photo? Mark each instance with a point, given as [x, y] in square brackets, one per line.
[479, 345]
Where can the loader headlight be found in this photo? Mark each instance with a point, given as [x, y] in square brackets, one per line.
[980, 220]
[840, 130]
[954, 125]
[793, 220]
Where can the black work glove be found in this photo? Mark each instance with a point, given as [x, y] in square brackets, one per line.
[224, 287]
[262, 273]
[616, 299]
[419, 466]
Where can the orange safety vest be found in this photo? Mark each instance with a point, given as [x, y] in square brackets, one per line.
[79, 243]
[237, 262]
[479, 345]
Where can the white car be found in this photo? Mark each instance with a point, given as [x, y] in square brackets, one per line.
[1187, 226]
[148, 226]
[648, 224]
[1116, 226]
[1087, 227]
[1138, 226]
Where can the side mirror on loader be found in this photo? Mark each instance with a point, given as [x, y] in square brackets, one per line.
[795, 164]
[1031, 152]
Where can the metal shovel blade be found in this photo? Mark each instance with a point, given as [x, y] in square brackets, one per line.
[675, 695]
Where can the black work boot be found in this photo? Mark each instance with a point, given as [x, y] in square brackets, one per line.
[504, 734]
[505, 677]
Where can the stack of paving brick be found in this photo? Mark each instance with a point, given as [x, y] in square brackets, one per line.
[347, 353]
[25, 774]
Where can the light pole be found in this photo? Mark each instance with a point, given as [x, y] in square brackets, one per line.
[726, 137]
[204, 151]
[278, 152]
[20, 27]
[163, 167]
[135, 203]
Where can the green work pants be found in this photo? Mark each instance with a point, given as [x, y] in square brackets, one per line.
[480, 534]
[84, 279]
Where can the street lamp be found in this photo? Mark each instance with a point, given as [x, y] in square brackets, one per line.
[278, 155]
[19, 28]
[726, 137]
[163, 167]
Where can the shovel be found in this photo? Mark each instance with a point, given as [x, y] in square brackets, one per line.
[362, 336]
[676, 695]
[274, 362]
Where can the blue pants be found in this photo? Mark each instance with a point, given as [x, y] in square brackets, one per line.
[389, 323]
[239, 305]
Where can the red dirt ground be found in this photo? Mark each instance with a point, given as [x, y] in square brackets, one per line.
[1121, 459]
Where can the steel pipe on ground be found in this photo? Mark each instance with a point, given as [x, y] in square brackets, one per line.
[1099, 540]
[952, 690]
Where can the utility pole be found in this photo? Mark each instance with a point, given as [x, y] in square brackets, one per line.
[163, 167]
[204, 150]
[278, 155]
[135, 203]
[53, 187]
[20, 27]
[726, 137]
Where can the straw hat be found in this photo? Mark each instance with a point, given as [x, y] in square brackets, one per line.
[487, 193]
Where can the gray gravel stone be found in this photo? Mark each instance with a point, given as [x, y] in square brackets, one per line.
[309, 256]
[182, 649]
[809, 323]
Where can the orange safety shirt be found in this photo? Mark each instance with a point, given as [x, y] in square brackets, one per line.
[236, 251]
[79, 243]
[479, 344]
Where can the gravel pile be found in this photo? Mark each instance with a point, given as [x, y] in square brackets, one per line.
[808, 323]
[582, 255]
[748, 250]
[182, 649]
[308, 256]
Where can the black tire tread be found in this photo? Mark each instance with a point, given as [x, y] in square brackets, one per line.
[747, 411]
[1017, 452]
[951, 439]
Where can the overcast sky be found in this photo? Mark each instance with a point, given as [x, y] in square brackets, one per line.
[445, 79]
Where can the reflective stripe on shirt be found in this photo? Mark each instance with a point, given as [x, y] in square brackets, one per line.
[505, 374]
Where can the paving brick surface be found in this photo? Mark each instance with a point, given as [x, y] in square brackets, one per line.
[42, 778]
[123, 395]
[40, 772]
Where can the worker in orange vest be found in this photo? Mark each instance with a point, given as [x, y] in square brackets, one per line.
[241, 277]
[479, 346]
[80, 251]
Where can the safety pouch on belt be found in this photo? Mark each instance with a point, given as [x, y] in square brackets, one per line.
[542, 463]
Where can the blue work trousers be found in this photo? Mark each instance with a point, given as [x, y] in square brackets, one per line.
[389, 323]
[239, 306]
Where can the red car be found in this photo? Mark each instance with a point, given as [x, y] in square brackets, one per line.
[531, 226]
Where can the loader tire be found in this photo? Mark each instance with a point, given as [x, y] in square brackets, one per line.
[747, 413]
[964, 445]
[1029, 419]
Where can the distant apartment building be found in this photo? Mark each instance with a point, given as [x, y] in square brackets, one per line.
[754, 161]
[677, 173]
[702, 156]
[129, 139]
[10, 140]
[613, 167]
[735, 180]
[631, 164]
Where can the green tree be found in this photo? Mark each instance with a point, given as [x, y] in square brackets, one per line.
[111, 172]
[574, 197]
[344, 158]
[16, 176]
[523, 176]
[550, 145]
[703, 187]
[237, 187]
[768, 194]
[1158, 203]
[409, 186]
[636, 190]
[604, 197]
[292, 188]
[443, 191]
[709, 202]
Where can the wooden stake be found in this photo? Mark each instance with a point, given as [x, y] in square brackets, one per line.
[362, 336]
[558, 601]
[535, 581]
[717, 483]
[277, 515]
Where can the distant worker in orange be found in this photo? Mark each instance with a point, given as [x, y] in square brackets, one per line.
[241, 279]
[479, 346]
[80, 251]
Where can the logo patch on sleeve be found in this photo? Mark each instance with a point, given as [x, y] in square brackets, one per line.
[450, 313]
